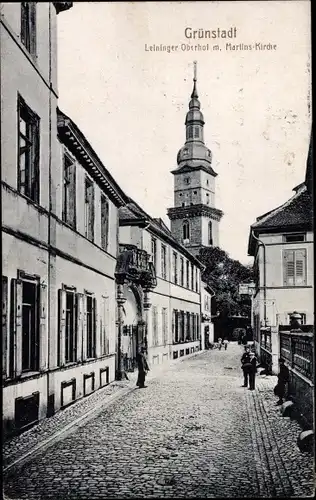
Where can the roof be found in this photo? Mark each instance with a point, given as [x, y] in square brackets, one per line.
[133, 214]
[72, 137]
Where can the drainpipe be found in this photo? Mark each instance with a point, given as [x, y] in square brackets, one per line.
[264, 277]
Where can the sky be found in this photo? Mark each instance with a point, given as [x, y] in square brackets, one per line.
[131, 103]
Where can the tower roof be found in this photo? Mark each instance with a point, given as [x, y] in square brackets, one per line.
[194, 154]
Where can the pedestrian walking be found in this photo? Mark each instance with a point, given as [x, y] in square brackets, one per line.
[225, 342]
[246, 365]
[252, 371]
[219, 343]
[143, 368]
[283, 380]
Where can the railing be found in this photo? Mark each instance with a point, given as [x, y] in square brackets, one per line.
[297, 349]
[265, 339]
[135, 264]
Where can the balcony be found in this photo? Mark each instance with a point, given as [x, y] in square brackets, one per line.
[134, 264]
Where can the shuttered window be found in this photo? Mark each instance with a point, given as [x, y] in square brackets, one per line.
[163, 261]
[188, 273]
[176, 326]
[154, 325]
[91, 326]
[175, 267]
[164, 326]
[104, 222]
[294, 267]
[4, 326]
[69, 191]
[28, 26]
[89, 209]
[104, 326]
[68, 325]
[28, 151]
[181, 271]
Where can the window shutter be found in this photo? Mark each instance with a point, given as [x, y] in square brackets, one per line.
[72, 195]
[79, 319]
[300, 267]
[173, 324]
[4, 326]
[17, 289]
[288, 267]
[84, 329]
[62, 325]
[104, 222]
[96, 336]
[35, 160]
[43, 334]
[91, 211]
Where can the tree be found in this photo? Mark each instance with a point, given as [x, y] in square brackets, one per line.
[224, 275]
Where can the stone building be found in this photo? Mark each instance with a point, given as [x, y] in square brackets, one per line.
[194, 218]
[174, 302]
[59, 232]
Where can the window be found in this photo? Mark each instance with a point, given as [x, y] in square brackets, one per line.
[196, 280]
[163, 261]
[154, 251]
[104, 222]
[176, 326]
[210, 233]
[181, 271]
[188, 273]
[194, 192]
[89, 209]
[207, 198]
[175, 268]
[186, 230]
[164, 326]
[71, 328]
[28, 26]
[207, 182]
[181, 326]
[192, 276]
[196, 132]
[91, 326]
[292, 238]
[104, 326]
[4, 326]
[69, 191]
[189, 132]
[28, 168]
[188, 327]
[294, 267]
[154, 325]
[187, 180]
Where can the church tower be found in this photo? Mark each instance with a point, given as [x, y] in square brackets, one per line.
[194, 218]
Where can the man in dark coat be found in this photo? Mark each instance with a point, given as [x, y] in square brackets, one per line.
[283, 380]
[246, 365]
[252, 371]
[143, 368]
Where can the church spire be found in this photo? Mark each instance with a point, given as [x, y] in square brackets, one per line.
[194, 91]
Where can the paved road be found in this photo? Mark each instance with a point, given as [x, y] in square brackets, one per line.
[194, 432]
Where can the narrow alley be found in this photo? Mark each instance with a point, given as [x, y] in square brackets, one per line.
[193, 432]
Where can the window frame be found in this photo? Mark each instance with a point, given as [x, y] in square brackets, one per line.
[30, 186]
[28, 31]
[89, 209]
[104, 203]
[34, 340]
[285, 267]
[163, 261]
[69, 190]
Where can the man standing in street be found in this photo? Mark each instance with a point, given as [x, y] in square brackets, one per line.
[252, 371]
[246, 366]
[283, 380]
[143, 368]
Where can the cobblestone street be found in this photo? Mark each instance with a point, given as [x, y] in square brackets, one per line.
[194, 432]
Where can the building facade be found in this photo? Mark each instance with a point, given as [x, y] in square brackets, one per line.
[174, 315]
[282, 244]
[59, 232]
[194, 218]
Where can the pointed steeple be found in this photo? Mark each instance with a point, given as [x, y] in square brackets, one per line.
[194, 91]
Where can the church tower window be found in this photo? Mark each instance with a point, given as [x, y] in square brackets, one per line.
[196, 132]
[210, 233]
[186, 230]
[190, 133]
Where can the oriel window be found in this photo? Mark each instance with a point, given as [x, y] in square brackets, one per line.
[28, 158]
[28, 26]
[69, 191]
